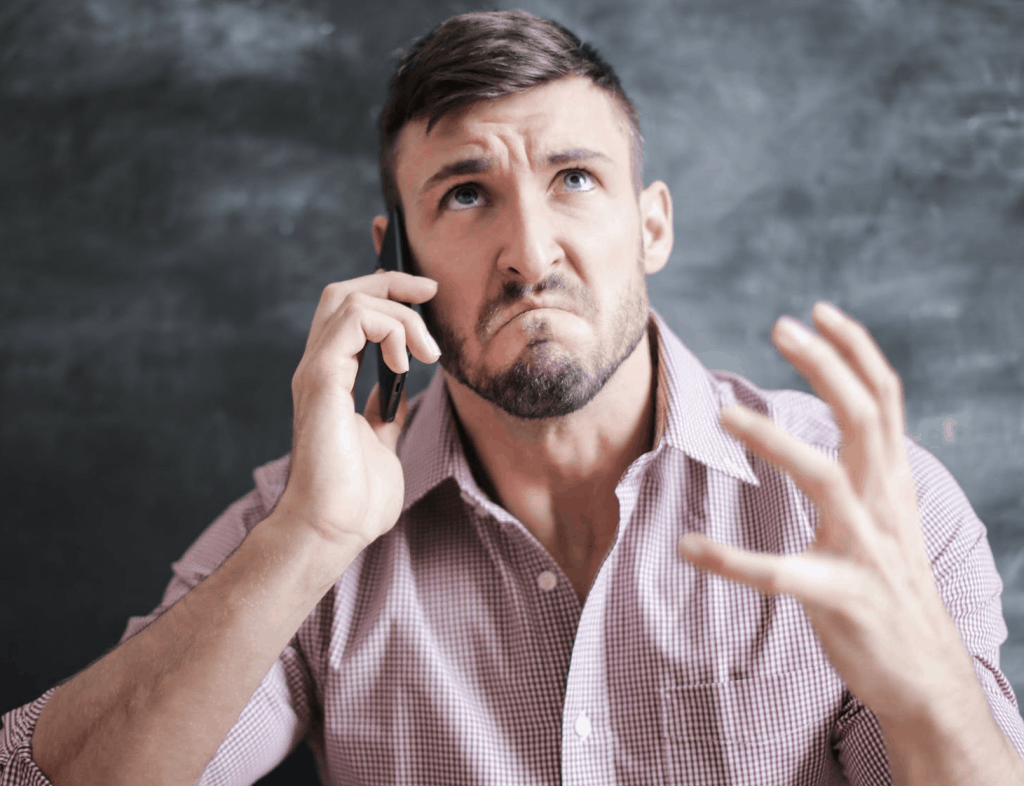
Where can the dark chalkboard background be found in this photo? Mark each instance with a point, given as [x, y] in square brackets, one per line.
[180, 178]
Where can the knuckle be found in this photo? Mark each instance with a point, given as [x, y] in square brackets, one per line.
[398, 333]
[832, 475]
[301, 370]
[864, 414]
[890, 386]
[334, 293]
[356, 306]
[357, 299]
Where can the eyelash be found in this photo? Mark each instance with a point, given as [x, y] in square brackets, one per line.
[473, 184]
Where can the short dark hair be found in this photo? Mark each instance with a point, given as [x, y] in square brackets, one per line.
[479, 56]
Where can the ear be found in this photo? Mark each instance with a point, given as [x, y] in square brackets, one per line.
[656, 225]
[380, 226]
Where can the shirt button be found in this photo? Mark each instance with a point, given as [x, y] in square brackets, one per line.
[582, 726]
[547, 581]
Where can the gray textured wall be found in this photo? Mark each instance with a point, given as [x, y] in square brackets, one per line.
[180, 178]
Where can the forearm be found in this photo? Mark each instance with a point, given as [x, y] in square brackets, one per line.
[953, 742]
[156, 709]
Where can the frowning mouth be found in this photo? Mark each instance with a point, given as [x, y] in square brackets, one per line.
[527, 306]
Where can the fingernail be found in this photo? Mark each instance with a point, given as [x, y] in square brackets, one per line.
[432, 343]
[794, 331]
[690, 546]
[812, 569]
[737, 415]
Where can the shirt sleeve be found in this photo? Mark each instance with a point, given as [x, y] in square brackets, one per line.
[278, 716]
[971, 589]
[17, 767]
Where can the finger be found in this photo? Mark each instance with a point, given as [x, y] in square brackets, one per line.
[395, 285]
[330, 356]
[817, 475]
[417, 338]
[855, 409]
[856, 345]
[805, 578]
[412, 335]
[390, 285]
[387, 433]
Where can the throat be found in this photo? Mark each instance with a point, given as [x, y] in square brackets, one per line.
[581, 538]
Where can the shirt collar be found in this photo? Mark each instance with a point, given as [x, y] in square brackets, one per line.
[431, 448]
[686, 419]
[688, 399]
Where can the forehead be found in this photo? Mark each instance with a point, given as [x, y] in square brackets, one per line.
[569, 113]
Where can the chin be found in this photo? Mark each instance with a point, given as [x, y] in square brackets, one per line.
[544, 382]
[543, 379]
[538, 391]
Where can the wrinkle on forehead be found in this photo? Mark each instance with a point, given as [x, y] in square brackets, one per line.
[522, 129]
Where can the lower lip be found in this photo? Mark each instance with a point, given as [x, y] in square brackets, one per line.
[530, 311]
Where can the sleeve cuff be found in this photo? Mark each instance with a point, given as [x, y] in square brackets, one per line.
[17, 767]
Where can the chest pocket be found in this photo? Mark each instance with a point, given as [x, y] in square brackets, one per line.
[766, 730]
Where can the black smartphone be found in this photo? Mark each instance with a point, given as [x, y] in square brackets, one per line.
[394, 255]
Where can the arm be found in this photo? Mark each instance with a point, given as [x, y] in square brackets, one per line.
[866, 582]
[156, 709]
[279, 715]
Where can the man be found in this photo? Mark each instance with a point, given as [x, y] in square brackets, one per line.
[496, 588]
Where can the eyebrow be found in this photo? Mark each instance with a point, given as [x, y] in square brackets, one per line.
[577, 154]
[472, 166]
[468, 166]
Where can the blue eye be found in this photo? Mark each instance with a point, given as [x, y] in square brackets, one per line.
[463, 197]
[577, 180]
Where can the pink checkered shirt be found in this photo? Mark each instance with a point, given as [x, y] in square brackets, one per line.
[454, 651]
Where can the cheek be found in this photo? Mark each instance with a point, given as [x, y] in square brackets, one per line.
[612, 223]
[612, 248]
[457, 302]
[457, 285]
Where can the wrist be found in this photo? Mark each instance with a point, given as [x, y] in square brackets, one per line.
[948, 737]
[321, 560]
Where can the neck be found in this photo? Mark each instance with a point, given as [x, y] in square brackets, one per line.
[558, 476]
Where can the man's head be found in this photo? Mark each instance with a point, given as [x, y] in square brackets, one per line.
[525, 204]
[480, 56]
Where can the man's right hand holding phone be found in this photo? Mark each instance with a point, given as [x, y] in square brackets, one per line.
[345, 481]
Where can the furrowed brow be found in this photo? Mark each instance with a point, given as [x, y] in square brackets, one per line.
[468, 166]
[577, 154]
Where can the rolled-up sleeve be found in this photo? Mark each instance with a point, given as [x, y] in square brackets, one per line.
[969, 583]
[278, 715]
[971, 588]
[17, 767]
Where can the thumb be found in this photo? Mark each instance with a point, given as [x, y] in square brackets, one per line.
[387, 433]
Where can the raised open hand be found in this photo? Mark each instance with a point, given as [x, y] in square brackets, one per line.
[866, 582]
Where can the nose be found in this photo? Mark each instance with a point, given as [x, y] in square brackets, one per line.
[530, 248]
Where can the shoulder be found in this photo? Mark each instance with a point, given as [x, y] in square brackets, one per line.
[810, 419]
[951, 528]
[804, 416]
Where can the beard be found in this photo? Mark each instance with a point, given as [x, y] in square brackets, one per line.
[546, 381]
